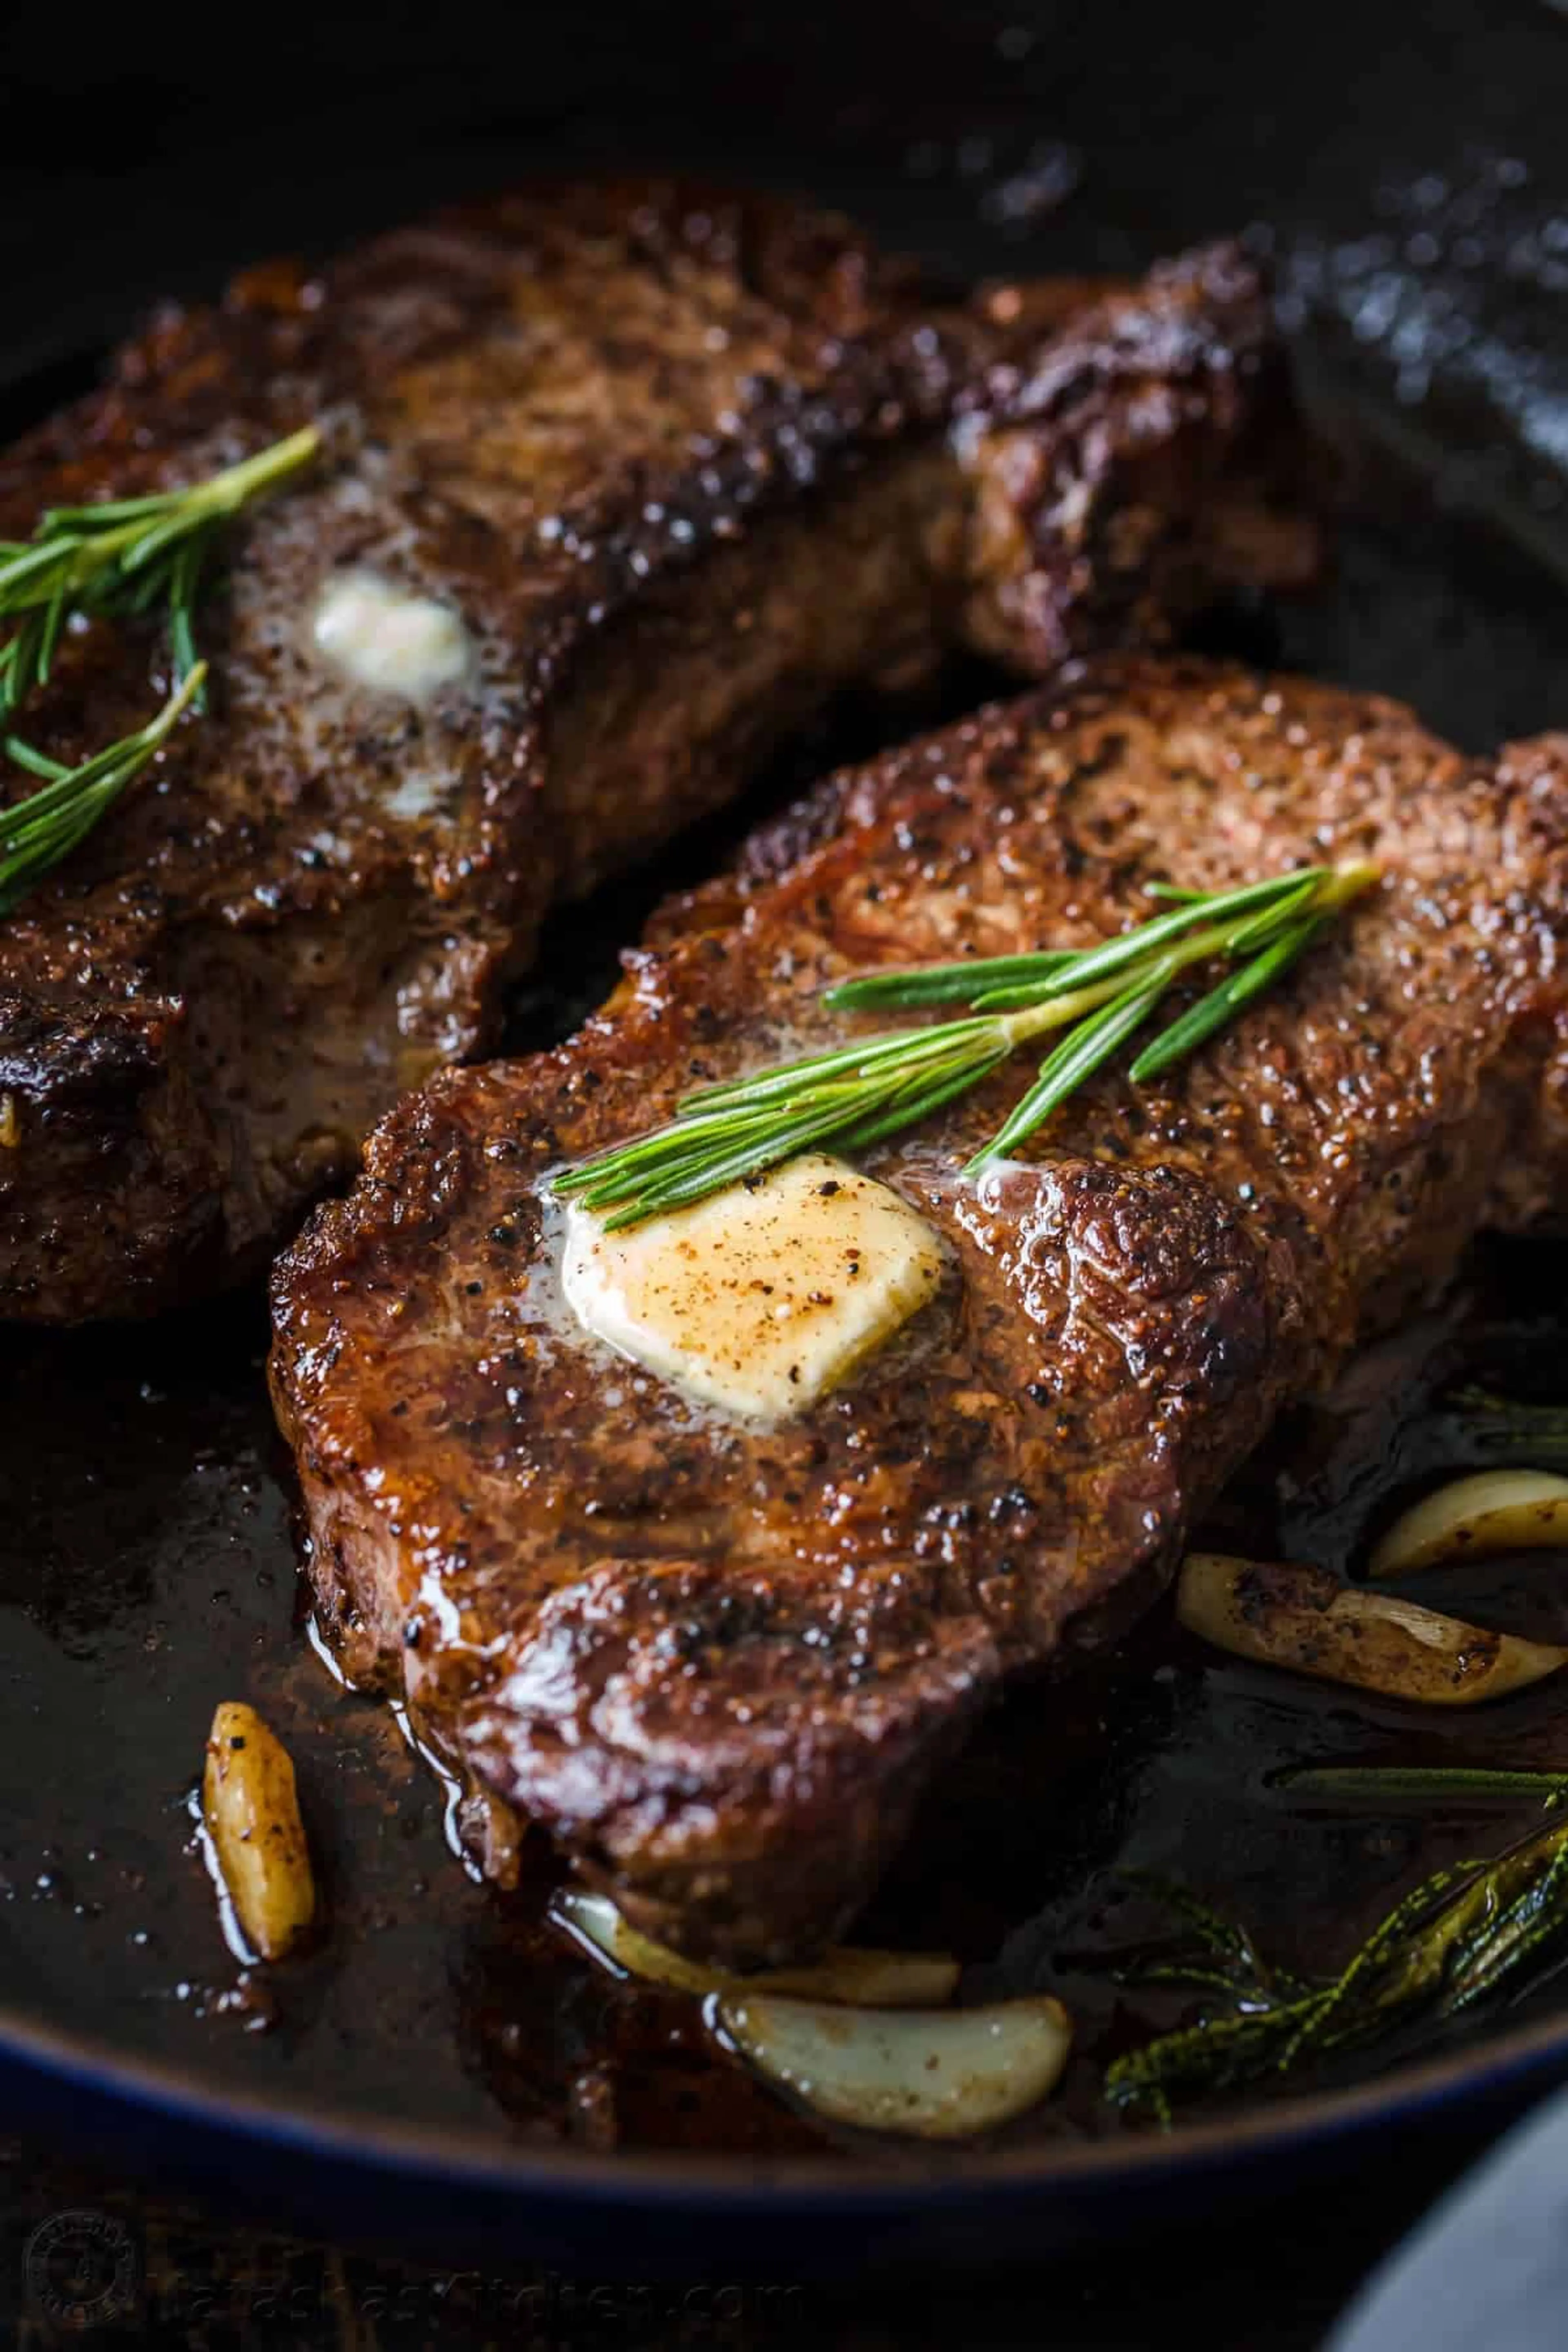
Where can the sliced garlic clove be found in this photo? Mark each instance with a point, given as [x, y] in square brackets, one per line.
[1304, 1618]
[596, 1924]
[1494, 1510]
[873, 1980]
[934, 2074]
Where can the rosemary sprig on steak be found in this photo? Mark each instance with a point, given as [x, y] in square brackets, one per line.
[126, 555]
[37, 832]
[1449, 1943]
[120, 557]
[857, 1095]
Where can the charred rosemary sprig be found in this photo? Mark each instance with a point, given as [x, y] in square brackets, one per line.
[125, 556]
[1447, 1945]
[857, 1094]
[1219, 1955]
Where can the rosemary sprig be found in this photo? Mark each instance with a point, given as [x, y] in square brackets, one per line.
[1220, 1955]
[125, 555]
[1447, 1944]
[854, 1095]
[1494, 1427]
[1481, 1782]
[37, 832]
[122, 556]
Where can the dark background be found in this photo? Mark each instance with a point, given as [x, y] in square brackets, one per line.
[1399, 160]
[1402, 163]
[149, 156]
[1272, 2279]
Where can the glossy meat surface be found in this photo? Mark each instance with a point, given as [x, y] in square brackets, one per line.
[719, 1664]
[685, 464]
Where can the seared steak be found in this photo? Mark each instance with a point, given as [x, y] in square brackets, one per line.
[682, 465]
[719, 1663]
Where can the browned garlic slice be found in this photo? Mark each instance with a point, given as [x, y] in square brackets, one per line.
[874, 1979]
[935, 2075]
[1491, 1511]
[1304, 1618]
[252, 1811]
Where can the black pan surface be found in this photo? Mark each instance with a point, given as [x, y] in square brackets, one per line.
[1419, 219]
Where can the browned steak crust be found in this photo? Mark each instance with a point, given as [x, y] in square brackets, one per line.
[685, 463]
[719, 1664]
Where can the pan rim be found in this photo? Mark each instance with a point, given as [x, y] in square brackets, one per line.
[769, 2187]
[774, 2186]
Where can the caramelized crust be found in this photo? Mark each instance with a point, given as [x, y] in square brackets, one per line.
[685, 464]
[719, 1664]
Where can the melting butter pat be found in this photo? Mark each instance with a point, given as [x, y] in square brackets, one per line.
[764, 1297]
[389, 639]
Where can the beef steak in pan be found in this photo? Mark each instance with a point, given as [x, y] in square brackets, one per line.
[718, 1662]
[680, 464]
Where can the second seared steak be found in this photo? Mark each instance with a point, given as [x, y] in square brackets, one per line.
[719, 1664]
[680, 465]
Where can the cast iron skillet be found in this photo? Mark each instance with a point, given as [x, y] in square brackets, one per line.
[443, 2069]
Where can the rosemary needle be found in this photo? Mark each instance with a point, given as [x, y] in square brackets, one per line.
[850, 1097]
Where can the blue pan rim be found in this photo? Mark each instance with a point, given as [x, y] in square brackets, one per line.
[773, 2187]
